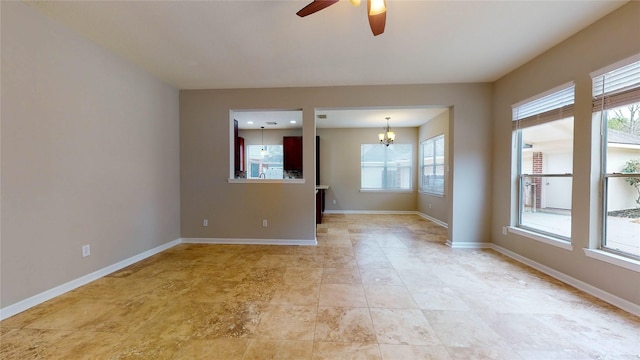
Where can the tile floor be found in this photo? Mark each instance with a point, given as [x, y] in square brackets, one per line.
[375, 287]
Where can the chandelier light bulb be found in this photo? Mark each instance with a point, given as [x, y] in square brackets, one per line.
[387, 137]
[377, 7]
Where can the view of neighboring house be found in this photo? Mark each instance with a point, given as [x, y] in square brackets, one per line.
[546, 195]
[556, 156]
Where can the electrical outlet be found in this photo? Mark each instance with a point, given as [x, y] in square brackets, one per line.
[504, 230]
[334, 202]
[86, 250]
[429, 205]
[265, 223]
[205, 222]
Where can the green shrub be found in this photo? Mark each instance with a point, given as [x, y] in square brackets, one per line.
[633, 166]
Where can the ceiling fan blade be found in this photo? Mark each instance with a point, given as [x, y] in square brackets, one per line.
[377, 21]
[315, 6]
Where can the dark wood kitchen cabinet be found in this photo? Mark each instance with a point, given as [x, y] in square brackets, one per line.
[292, 148]
[319, 205]
[318, 160]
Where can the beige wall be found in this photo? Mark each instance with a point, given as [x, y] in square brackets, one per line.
[89, 156]
[435, 206]
[236, 210]
[340, 169]
[609, 40]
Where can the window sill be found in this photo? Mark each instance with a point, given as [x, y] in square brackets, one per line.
[613, 259]
[563, 244]
[265, 181]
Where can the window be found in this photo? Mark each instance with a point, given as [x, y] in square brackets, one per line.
[432, 164]
[616, 104]
[385, 167]
[544, 135]
[264, 162]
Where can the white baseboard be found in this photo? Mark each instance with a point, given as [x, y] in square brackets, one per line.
[37, 299]
[388, 212]
[432, 219]
[220, 241]
[589, 289]
[369, 212]
[468, 245]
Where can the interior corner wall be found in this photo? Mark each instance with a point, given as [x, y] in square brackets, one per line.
[436, 206]
[340, 150]
[235, 210]
[90, 155]
[609, 40]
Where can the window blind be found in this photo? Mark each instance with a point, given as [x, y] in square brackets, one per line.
[616, 88]
[555, 106]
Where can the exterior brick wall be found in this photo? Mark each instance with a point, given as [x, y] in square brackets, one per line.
[537, 169]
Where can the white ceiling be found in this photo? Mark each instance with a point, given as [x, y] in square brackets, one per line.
[338, 118]
[257, 44]
[376, 117]
[248, 119]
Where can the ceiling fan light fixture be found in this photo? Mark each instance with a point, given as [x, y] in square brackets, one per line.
[377, 7]
[376, 10]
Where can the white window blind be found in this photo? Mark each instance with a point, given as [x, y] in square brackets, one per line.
[618, 87]
[555, 106]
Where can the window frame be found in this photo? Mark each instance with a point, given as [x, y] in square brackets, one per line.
[522, 184]
[423, 144]
[554, 105]
[619, 92]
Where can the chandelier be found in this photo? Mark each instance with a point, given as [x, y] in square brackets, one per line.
[387, 136]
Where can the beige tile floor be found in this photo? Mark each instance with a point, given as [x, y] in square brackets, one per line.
[375, 287]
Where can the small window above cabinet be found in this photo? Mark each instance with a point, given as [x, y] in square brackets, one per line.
[266, 146]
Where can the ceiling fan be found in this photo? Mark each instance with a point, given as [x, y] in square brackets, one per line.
[376, 10]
